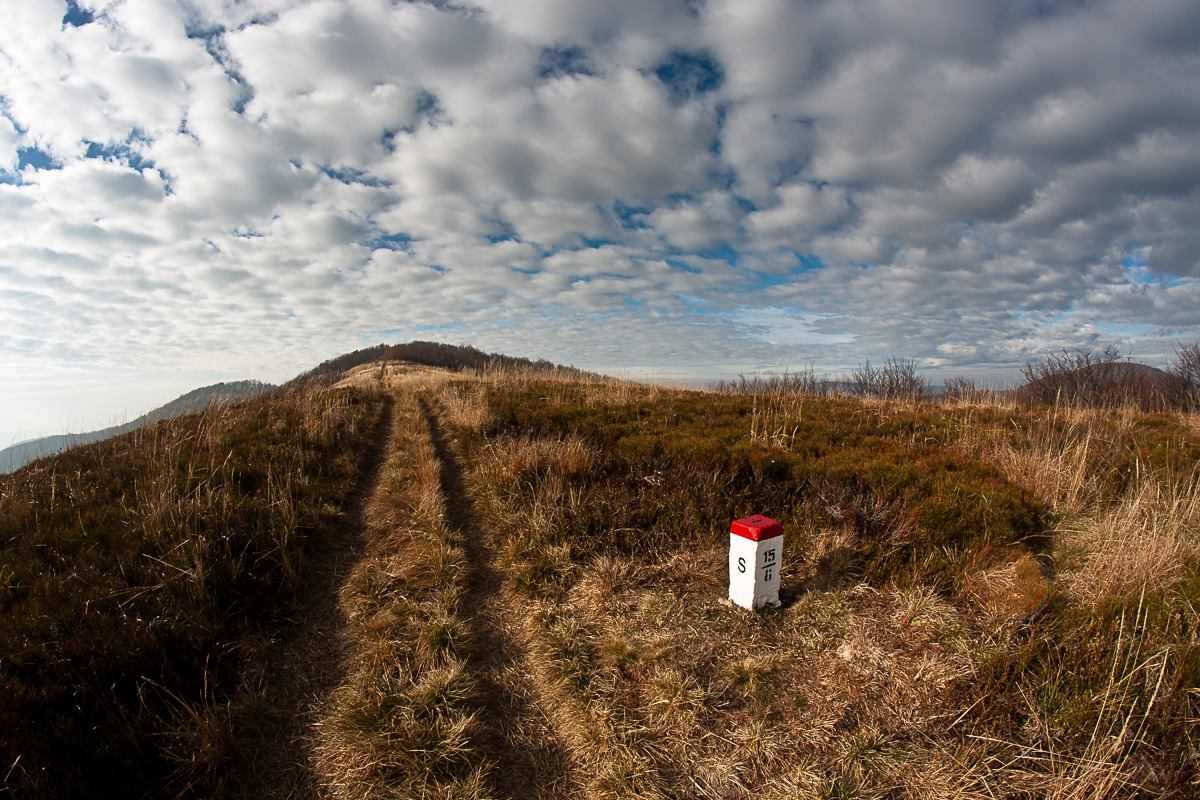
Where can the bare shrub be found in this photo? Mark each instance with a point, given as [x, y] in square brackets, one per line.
[960, 388]
[896, 379]
[805, 381]
[1187, 370]
[1079, 377]
[1102, 379]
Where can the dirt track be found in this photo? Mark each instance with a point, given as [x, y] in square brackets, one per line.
[529, 755]
[308, 664]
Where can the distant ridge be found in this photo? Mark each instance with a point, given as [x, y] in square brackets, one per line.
[430, 354]
[18, 455]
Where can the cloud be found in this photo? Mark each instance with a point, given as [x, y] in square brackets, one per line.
[802, 210]
[255, 186]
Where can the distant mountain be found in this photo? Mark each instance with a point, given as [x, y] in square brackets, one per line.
[195, 401]
[430, 354]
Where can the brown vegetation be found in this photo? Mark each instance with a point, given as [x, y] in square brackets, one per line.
[143, 581]
[982, 598]
[950, 629]
[1104, 379]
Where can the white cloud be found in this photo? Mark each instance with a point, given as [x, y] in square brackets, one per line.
[10, 140]
[259, 185]
[699, 224]
[802, 208]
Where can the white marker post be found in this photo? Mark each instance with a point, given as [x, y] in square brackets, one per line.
[755, 558]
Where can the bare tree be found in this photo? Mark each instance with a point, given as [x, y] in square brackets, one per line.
[1187, 370]
[896, 379]
[960, 387]
[1083, 377]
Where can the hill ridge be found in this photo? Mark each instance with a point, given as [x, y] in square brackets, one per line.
[18, 455]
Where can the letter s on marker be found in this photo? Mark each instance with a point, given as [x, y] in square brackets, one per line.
[741, 565]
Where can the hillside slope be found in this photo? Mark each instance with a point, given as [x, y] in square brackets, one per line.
[148, 582]
[20, 454]
[979, 600]
[427, 354]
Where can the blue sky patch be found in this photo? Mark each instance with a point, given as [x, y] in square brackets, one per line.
[554, 62]
[688, 74]
[676, 264]
[504, 232]
[76, 16]
[352, 176]
[809, 262]
[214, 45]
[723, 252]
[36, 158]
[390, 241]
[1140, 329]
[119, 153]
[631, 218]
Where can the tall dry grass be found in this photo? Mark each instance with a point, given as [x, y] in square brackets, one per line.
[1125, 521]
[144, 579]
[403, 723]
[853, 690]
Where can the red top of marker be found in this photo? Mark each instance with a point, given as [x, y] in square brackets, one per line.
[756, 528]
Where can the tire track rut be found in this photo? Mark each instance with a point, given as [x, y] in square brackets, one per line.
[311, 660]
[530, 756]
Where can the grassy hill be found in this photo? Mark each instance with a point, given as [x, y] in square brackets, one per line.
[980, 598]
[195, 401]
[430, 354]
[980, 601]
[143, 580]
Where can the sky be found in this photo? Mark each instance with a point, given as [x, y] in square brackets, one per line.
[203, 190]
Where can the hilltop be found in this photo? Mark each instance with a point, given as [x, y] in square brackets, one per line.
[396, 579]
[429, 354]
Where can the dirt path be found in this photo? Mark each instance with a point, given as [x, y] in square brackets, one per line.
[532, 760]
[308, 663]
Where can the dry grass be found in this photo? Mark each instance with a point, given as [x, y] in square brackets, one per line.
[403, 723]
[981, 600]
[1110, 763]
[1128, 508]
[1146, 539]
[853, 689]
[144, 579]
